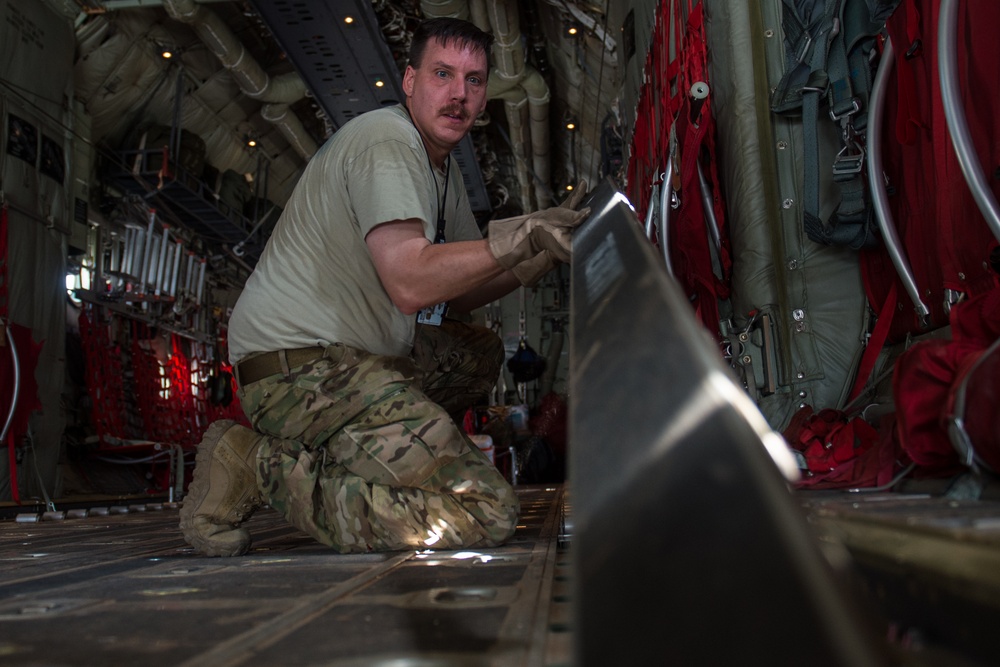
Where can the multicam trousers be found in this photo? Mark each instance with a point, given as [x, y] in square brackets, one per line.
[360, 451]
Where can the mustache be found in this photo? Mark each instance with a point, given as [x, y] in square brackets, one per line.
[456, 110]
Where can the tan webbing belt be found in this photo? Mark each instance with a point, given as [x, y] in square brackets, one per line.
[274, 363]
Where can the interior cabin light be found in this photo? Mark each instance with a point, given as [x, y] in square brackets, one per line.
[169, 51]
[379, 83]
[348, 19]
[572, 30]
[570, 125]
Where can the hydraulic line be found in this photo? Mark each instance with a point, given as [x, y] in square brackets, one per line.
[17, 384]
[12, 465]
[880, 201]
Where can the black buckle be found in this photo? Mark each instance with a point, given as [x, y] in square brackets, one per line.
[838, 111]
[849, 164]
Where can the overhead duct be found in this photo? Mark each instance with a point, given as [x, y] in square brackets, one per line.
[508, 55]
[538, 95]
[479, 15]
[510, 66]
[456, 9]
[116, 56]
[249, 75]
[282, 117]
[521, 87]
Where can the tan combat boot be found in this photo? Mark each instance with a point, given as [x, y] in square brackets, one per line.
[223, 492]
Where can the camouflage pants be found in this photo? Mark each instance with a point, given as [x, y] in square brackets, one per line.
[359, 450]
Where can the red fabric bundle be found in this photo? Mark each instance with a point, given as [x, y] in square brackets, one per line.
[928, 375]
[841, 452]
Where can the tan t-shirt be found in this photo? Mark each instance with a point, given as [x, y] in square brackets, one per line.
[315, 283]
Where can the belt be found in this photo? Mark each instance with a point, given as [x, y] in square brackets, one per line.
[274, 363]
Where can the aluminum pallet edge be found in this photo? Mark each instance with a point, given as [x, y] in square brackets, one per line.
[687, 544]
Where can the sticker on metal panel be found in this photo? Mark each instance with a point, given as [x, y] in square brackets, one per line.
[602, 268]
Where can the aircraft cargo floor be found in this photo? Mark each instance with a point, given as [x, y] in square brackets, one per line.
[125, 589]
[120, 587]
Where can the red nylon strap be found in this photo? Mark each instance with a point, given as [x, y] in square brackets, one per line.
[949, 210]
[164, 172]
[664, 107]
[654, 111]
[875, 343]
[907, 116]
[695, 128]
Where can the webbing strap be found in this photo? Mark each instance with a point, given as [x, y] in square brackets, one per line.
[806, 25]
[850, 224]
[875, 343]
[820, 44]
[828, 55]
[810, 132]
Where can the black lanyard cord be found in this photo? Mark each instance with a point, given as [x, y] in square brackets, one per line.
[439, 237]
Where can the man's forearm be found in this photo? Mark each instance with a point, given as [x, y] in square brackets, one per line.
[417, 274]
[500, 286]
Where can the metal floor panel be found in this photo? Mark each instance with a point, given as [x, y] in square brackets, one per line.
[125, 589]
[930, 565]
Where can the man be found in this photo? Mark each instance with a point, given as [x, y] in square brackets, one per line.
[349, 396]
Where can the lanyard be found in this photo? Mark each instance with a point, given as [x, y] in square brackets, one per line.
[439, 238]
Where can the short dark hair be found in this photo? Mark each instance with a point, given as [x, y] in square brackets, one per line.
[449, 31]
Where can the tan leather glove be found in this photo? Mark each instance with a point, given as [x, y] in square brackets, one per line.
[530, 271]
[515, 240]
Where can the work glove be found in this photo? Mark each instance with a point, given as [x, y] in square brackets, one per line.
[555, 250]
[516, 240]
[530, 271]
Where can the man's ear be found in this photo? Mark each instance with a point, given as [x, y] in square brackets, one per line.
[408, 75]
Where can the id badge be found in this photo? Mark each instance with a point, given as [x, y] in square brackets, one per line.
[433, 315]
